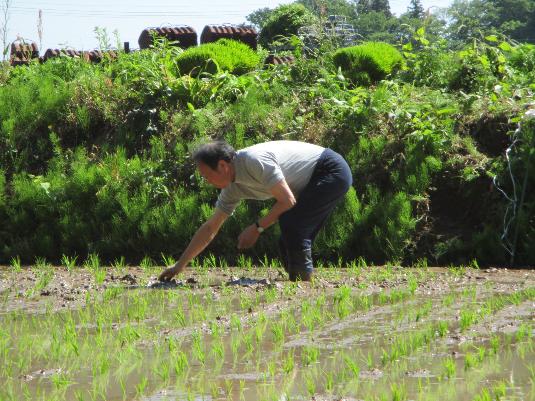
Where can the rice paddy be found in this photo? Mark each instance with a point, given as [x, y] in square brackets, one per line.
[94, 332]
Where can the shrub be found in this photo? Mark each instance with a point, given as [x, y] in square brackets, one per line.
[284, 22]
[523, 57]
[369, 62]
[225, 54]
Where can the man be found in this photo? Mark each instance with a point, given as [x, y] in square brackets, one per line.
[306, 180]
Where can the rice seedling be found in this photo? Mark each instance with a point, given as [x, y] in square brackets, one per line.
[288, 362]
[141, 386]
[499, 390]
[69, 261]
[466, 319]
[484, 395]
[399, 392]
[412, 284]
[146, 263]
[494, 344]
[235, 323]
[44, 276]
[310, 355]
[218, 350]
[470, 361]
[245, 262]
[421, 263]
[342, 301]
[167, 260]
[450, 368]
[277, 329]
[310, 383]
[163, 371]
[523, 332]
[15, 264]
[352, 366]
[180, 362]
[448, 300]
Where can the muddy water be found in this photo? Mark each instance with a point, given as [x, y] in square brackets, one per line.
[338, 357]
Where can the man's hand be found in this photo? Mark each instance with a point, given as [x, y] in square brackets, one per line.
[170, 272]
[248, 237]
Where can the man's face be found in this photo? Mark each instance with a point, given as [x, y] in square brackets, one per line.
[220, 177]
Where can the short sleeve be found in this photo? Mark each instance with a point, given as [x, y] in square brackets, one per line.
[226, 201]
[264, 169]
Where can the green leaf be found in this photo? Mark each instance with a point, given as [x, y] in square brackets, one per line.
[191, 107]
[491, 38]
[407, 46]
[506, 47]
[448, 110]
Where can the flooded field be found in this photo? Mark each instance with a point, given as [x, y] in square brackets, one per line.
[358, 333]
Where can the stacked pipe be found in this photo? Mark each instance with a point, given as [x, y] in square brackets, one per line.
[53, 53]
[244, 34]
[23, 52]
[185, 36]
[273, 59]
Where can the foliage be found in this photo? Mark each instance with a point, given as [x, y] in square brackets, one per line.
[95, 158]
[223, 55]
[284, 21]
[369, 62]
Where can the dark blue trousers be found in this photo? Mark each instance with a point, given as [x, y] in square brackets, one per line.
[300, 225]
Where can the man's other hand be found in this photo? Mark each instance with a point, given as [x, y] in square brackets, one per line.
[248, 237]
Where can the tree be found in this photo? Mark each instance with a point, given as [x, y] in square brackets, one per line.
[259, 17]
[415, 9]
[363, 6]
[470, 19]
[382, 6]
[515, 18]
[331, 7]
[285, 21]
[377, 26]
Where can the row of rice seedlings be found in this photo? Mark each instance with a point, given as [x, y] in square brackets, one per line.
[139, 311]
[496, 393]
[405, 344]
[470, 316]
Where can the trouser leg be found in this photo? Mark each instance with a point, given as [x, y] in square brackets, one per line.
[300, 225]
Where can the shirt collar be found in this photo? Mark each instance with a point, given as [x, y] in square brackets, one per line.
[238, 171]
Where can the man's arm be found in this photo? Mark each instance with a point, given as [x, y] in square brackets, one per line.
[203, 236]
[285, 201]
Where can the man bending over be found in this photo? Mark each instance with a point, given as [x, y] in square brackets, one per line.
[306, 180]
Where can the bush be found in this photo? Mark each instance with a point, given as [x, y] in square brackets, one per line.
[284, 22]
[368, 63]
[225, 54]
[523, 58]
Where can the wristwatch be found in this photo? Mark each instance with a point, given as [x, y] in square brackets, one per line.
[259, 228]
